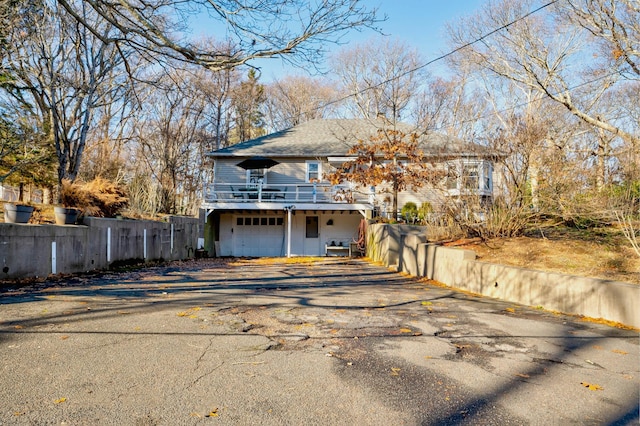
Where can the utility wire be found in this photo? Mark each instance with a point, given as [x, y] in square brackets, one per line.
[441, 57]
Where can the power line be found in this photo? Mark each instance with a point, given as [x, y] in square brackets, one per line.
[440, 58]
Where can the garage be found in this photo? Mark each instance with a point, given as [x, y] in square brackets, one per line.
[258, 236]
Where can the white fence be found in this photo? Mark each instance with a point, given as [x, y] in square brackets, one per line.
[12, 194]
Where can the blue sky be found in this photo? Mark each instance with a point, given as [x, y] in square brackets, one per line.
[418, 23]
[421, 23]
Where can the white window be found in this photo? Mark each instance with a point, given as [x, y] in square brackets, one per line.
[314, 171]
[469, 177]
[487, 180]
[255, 176]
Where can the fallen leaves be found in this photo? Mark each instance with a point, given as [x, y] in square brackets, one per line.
[619, 352]
[592, 386]
[395, 371]
[60, 400]
[190, 312]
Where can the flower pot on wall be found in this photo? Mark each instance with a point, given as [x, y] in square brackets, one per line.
[17, 213]
[65, 215]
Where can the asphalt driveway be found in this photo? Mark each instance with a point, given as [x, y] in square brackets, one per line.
[329, 342]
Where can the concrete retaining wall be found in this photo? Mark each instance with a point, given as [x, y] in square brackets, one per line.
[596, 298]
[39, 250]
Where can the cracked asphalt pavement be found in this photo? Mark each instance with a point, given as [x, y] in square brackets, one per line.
[330, 341]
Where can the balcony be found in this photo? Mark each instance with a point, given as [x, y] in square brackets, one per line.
[216, 194]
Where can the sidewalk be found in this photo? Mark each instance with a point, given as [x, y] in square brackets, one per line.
[334, 342]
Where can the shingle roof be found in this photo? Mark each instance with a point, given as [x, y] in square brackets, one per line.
[334, 137]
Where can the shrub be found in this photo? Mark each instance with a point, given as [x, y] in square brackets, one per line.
[99, 197]
[425, 210]
[409, 212]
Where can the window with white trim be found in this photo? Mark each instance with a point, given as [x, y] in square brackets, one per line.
[255, 176]
[469, 177]
[314, 171]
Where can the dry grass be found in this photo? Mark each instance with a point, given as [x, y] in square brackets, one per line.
[600, 253]
[99, 197]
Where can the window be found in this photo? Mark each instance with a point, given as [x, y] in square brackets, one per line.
[452, 177]
[254, 177]
[314, 171]
[312, 227]
[486, 174]
[468, 177]
[259, 221]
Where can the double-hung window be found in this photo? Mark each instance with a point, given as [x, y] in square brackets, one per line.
[469, 177]
[314, 171]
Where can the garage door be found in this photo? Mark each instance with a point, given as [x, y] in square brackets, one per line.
[258, 236]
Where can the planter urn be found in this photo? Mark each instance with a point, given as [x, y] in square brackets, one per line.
[65, 215]
[17, 213]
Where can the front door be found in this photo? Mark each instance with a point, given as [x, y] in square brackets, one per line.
[312, 237]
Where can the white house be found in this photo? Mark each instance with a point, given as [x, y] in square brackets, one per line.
[269, 196]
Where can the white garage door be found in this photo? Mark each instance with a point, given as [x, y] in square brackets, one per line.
[258, 236]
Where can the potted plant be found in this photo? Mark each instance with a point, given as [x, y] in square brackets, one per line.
[71, 198]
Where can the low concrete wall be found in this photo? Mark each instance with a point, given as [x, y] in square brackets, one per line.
[39, 250]
[596, 298]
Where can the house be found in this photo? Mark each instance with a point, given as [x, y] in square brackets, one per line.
[269, 195]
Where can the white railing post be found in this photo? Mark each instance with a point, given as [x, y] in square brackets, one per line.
[315, 191]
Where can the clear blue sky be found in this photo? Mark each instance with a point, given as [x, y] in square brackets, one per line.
[421, 23]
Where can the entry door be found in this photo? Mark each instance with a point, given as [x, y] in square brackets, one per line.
[312, 236]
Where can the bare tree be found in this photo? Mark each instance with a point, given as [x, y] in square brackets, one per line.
[615, 25]
[296, 99]
[66, 73]
[545, 53]
[447, 106]
[172, 134]
[217, 88]
[382, 77]
[298, 30]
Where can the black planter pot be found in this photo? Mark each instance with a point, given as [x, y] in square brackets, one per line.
[65, 215]
[17, 213]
